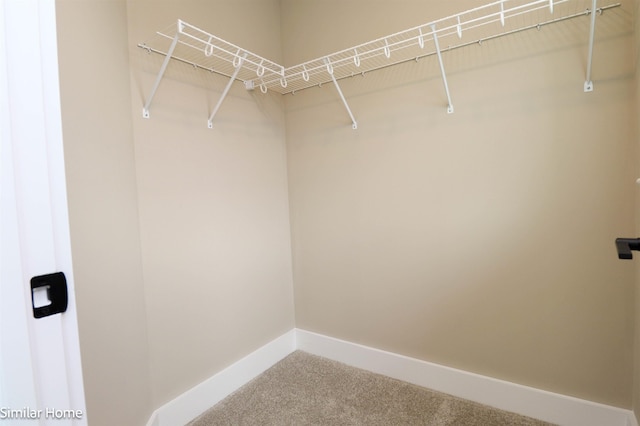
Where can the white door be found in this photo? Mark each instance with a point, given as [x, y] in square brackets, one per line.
[40, 370]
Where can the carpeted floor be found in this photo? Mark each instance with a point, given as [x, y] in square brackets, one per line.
[305, 389]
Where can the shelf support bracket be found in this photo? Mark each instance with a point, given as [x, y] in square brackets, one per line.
[444, 75]
[226, 89]
[163, 68]
[354, 124]
[588, 84]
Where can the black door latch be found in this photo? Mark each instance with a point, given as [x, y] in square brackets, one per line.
[54, 287]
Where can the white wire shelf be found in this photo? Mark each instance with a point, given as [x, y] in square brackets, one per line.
[187, 43]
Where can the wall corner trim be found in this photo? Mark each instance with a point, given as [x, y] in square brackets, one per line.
[543, 405]
[203, 396]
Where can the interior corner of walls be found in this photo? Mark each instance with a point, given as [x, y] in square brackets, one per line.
[203, 396]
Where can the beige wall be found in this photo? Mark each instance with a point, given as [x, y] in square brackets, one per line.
[180, 234]
[213, 202]
[105, 237]
[482, 240]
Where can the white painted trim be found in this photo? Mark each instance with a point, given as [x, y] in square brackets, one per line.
[49, 371]
[197, 400]
[543, 405]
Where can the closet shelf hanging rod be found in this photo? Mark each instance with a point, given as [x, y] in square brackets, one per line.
[218, 55]
[184, 61]
[469, 43]
[238, 56]
[211, 42]
[382, 44]
[462, 24]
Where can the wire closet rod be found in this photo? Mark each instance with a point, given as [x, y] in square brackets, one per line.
[454, 24]
[478, 41]
[184, 61]
[374, 52]
[194, 40]
[200, 49]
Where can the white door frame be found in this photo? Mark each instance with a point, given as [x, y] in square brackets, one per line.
[41, 374]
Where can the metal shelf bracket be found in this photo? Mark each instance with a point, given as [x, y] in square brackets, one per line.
[588, 84]
[354, 123]
[444, 75]
[163, 68]
[238, 66]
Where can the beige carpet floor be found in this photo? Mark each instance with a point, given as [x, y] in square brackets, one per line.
[305, 389]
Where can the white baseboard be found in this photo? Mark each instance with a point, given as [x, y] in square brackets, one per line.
[197, 400]
[543, 405]
[547, 406]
